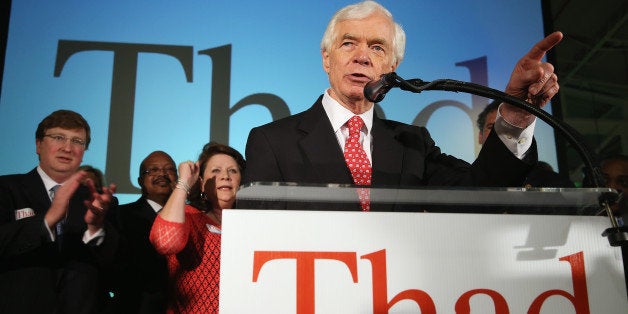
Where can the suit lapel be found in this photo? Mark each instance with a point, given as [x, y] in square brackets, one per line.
[387, 155]
[320, 148]
[146, 211]
[36, 192]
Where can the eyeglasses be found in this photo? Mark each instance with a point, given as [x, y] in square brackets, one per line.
[62, 139]
[156, 171]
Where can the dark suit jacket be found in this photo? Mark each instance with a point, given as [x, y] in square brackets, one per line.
[303, 148]
[539, 177]
[36, 275]
[142, 286]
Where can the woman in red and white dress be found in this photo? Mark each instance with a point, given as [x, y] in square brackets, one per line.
[188, 233]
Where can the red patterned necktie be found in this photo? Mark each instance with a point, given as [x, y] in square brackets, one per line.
[357, 161]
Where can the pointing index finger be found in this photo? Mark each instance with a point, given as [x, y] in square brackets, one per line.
[538, 51]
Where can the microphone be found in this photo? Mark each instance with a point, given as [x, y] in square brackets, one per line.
[376, 90]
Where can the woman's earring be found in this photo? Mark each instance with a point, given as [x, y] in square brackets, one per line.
[203, 196]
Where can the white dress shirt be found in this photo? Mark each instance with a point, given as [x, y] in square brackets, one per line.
[516, 139]
[339, 115]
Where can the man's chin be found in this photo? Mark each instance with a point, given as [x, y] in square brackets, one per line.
[163, 190]
[65, 168]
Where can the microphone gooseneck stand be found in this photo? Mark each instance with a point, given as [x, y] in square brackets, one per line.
[376, 90]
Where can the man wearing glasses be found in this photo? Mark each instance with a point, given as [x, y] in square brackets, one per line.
[143, 278]
[54, 241]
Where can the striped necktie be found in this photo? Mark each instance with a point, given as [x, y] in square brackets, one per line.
[60, 224]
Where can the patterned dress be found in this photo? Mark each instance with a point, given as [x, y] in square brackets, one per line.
[193, 252]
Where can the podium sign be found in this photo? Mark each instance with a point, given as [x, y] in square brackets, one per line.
[377, 262]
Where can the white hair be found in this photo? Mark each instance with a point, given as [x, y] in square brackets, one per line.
[359, 11]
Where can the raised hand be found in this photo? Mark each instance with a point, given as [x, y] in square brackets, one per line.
[97, 205]
[189, 172]
[59, 207]
[532, 80]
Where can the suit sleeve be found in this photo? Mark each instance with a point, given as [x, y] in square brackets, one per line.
[261, 161]
[22, 239]
[113, 242]
[496, 165]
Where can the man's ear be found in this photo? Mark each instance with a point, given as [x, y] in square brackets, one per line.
[394, 66]
[38, 146]
[326, 62]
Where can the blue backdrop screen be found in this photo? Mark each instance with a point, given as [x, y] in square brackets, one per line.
[171, 75]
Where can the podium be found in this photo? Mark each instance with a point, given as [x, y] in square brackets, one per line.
[302, 249]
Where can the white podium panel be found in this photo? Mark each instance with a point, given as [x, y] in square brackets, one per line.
[353, 262]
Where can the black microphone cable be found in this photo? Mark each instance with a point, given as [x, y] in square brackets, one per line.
[376, 90]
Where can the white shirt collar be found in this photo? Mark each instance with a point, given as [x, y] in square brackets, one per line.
[156, 207]
[339, 115]
[49, 183]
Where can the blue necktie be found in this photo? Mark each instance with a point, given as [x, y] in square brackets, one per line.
[60, 224]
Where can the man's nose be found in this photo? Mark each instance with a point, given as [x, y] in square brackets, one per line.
[67, 145]
[361, 56]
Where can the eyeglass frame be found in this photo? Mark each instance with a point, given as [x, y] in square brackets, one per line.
[155, 171]
[62, 139]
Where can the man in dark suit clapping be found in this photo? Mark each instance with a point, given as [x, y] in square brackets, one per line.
[54, 241]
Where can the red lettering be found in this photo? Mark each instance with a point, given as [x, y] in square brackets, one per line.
[463, 306]
[305, 289]
[580, 297]
[305, 271]
[380, 288]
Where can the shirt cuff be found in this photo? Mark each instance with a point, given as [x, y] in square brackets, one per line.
[50, 233]
[516, 139]
[95, 239]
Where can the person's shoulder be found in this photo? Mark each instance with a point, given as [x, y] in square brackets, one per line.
[408, 135]
[192, 211]
[9, 179]
[281, 123]
[294, 119]
[395, 124]
[138, 210]
[285, 122]
[129, 206]
[194, 216]
[400, 127]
